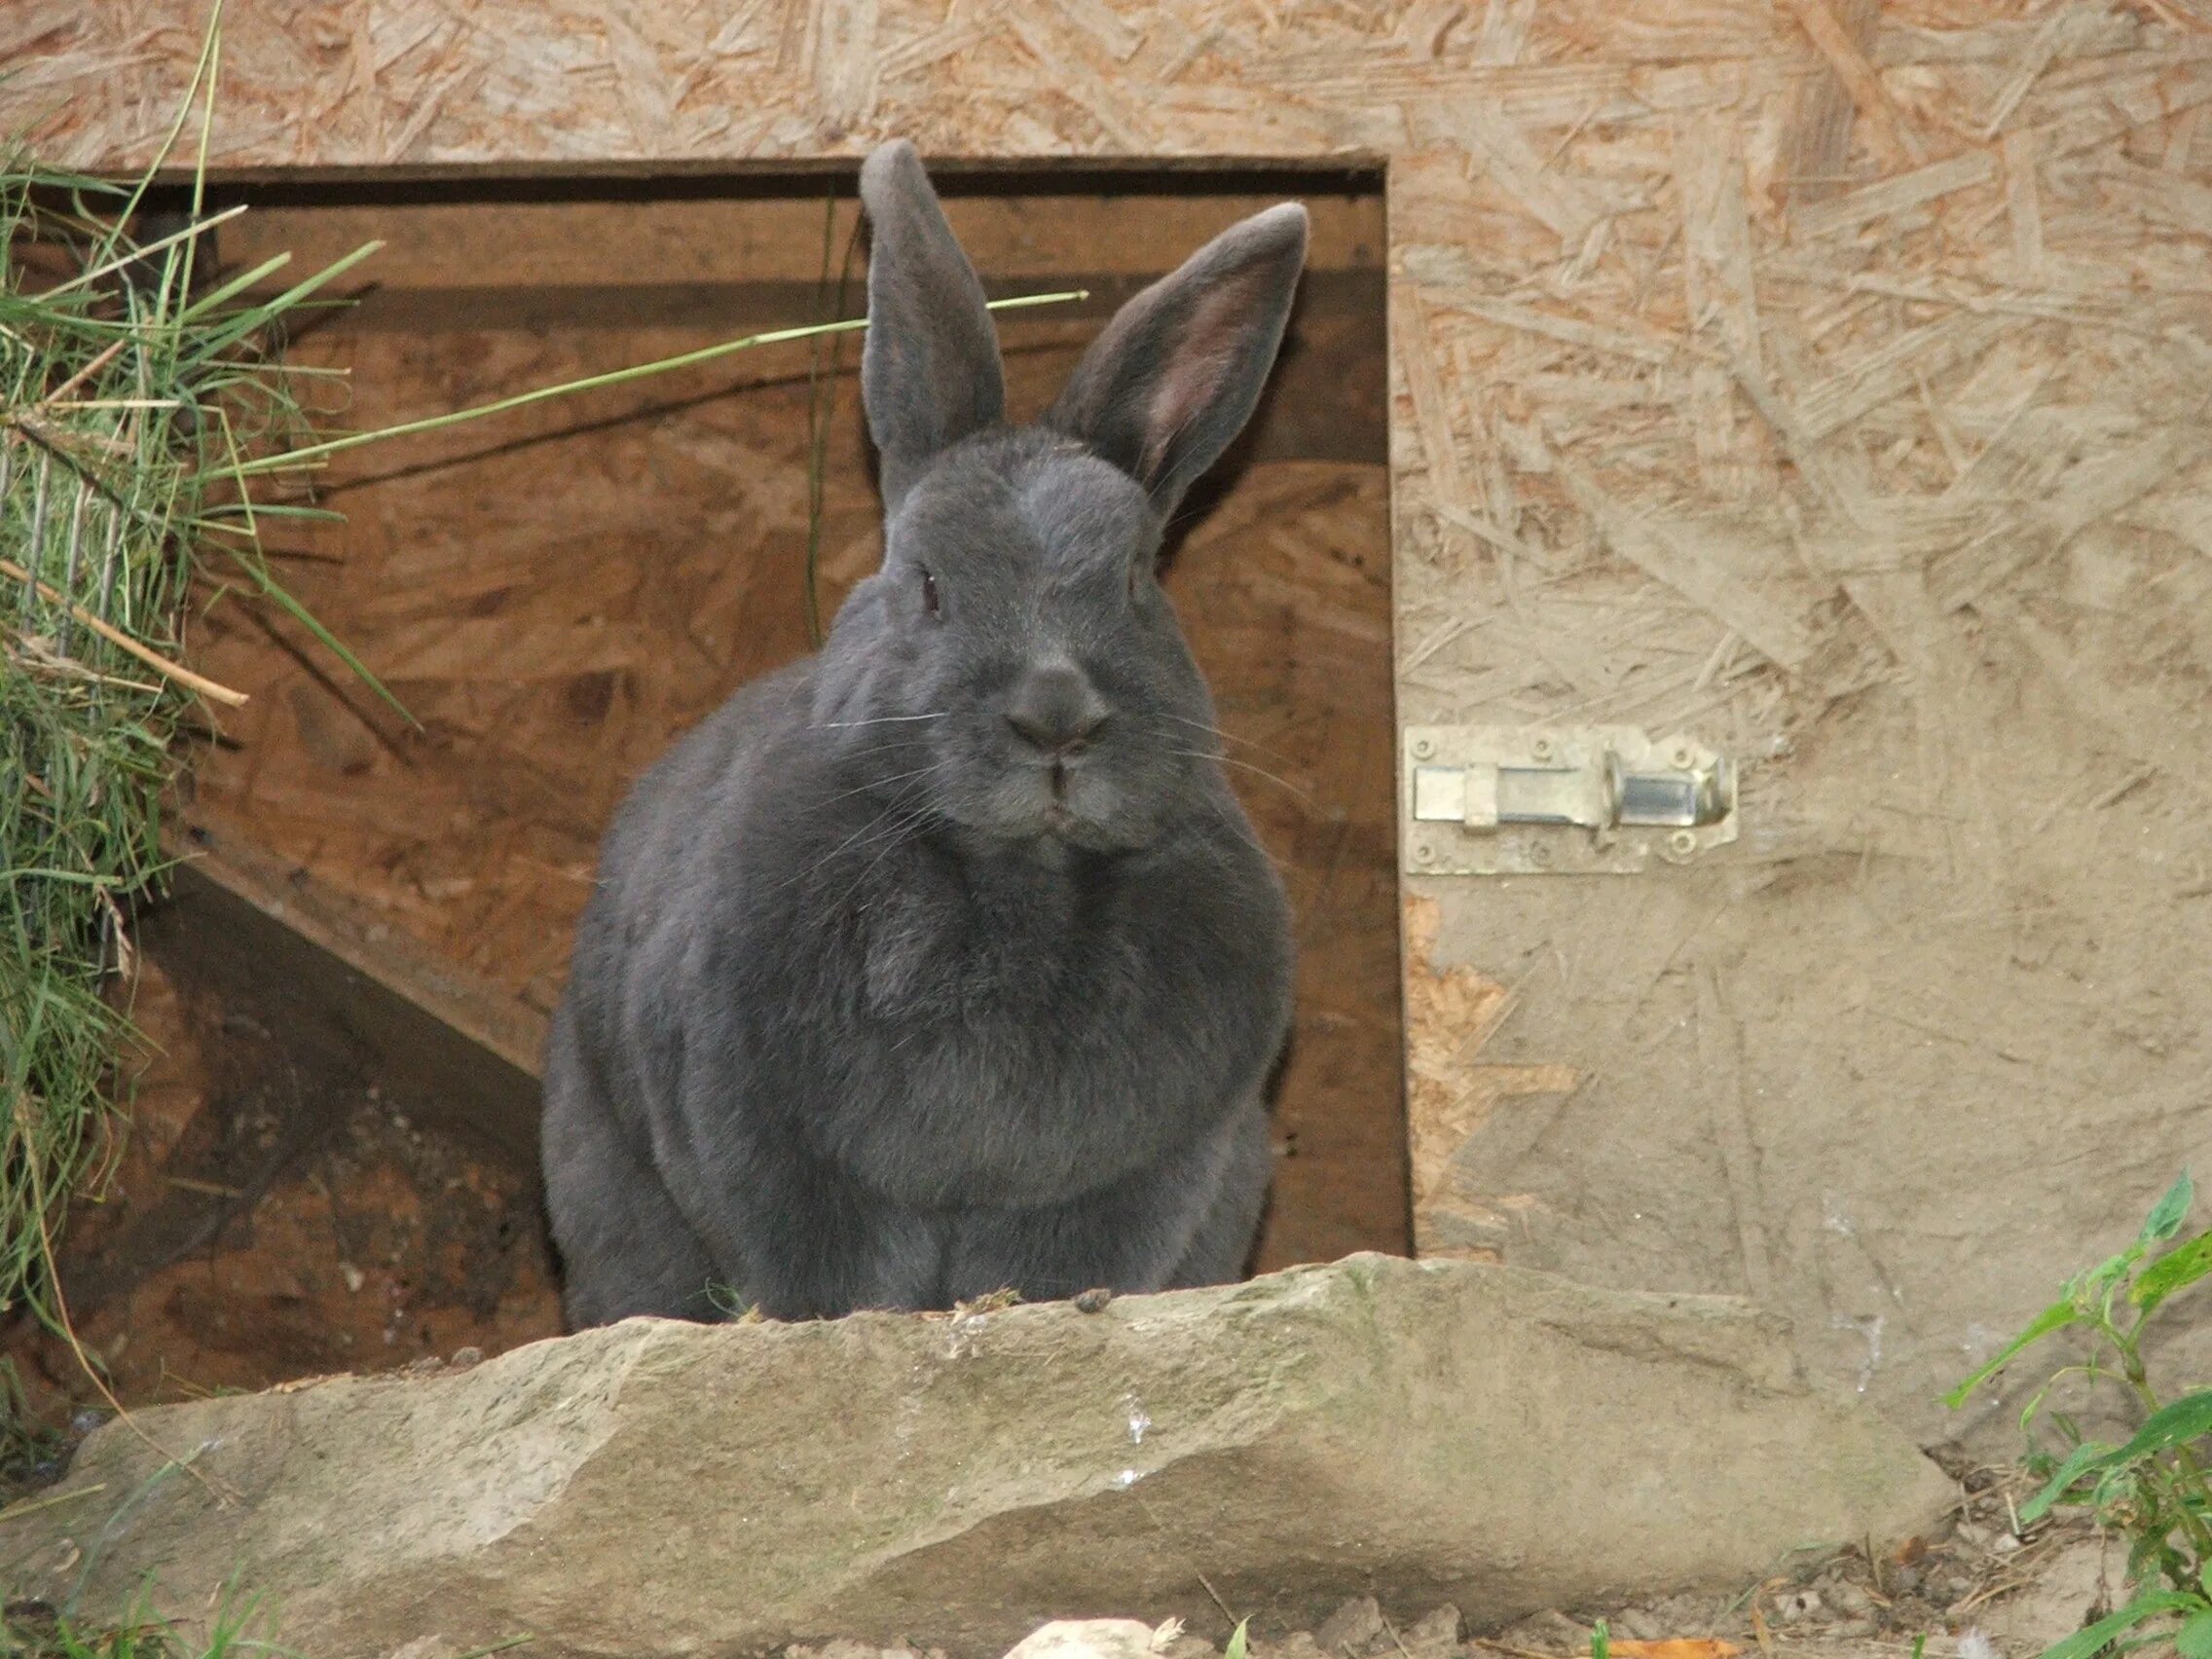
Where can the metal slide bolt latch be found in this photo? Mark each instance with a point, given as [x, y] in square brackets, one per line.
[1485, 800]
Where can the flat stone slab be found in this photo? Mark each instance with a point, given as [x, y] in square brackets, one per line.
[1417, 1430]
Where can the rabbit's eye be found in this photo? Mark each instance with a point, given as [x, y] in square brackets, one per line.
[929, 593]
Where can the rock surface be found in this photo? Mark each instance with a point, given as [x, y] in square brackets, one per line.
[1412, 1430]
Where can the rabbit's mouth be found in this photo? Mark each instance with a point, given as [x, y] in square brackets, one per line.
[1058, 814]
[1081, 799]
[1062, 807]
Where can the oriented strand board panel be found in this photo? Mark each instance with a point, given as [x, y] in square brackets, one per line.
[1825, 376]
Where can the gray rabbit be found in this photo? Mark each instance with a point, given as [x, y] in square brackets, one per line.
[945, 959]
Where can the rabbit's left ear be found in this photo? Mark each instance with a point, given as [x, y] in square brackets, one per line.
[930, 374]
[1178, 371]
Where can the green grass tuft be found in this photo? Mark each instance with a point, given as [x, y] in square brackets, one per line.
[33, 1630]
[127, 402]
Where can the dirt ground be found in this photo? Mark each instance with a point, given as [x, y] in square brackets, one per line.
[258, 1224]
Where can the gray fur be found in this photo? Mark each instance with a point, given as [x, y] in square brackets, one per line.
[945, 959]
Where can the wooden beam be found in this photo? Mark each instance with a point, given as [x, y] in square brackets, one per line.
[349, 991]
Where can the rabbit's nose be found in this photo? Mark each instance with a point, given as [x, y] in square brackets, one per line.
[1056, 709]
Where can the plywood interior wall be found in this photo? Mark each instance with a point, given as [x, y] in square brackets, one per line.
[1828, 375]
[555, 596]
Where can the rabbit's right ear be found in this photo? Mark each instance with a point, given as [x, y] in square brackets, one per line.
[1178, 372]
[930, 375]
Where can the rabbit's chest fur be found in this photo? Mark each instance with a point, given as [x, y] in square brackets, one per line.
[951, 1025]
[1015, 1028]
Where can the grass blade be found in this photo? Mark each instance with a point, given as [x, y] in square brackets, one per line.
[292, 459]
[2056, 1318]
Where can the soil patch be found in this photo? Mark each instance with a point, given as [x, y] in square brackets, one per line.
[262, 1220]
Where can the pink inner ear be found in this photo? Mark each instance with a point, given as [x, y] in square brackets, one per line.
[1205, 352]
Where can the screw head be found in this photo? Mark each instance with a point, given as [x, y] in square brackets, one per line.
[1423, 852]
[1540, 856]
[1682, 841]
[1682, 757]
[1424, 749]
[1542, 749]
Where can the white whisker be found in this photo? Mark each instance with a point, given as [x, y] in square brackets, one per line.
[880, 783]
[903, 802]
[890, 838]
[1225, 736]
[1258, 771]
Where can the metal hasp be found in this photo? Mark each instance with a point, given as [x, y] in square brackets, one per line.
[1559, 800]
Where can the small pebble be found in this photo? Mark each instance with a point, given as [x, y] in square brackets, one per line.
[1094, 1301]
[468, 1356]
[1442, 1625]
[1071, 1639]
[1438, 1634]
[1546, 1630]
[1945, 1588]
[1847, 1599]
[1353, 1628]
[1797, 1605]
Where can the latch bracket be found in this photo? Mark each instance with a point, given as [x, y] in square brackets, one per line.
[1509, 800]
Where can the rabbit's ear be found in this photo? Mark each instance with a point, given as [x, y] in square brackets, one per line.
[930, 375]
[1177, 374]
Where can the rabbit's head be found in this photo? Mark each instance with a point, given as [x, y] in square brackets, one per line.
[1013, 667]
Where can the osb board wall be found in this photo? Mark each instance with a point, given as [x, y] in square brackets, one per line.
[554, 598]
[1825, 373]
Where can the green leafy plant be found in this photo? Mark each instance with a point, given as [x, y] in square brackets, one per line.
[2153, 1488]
